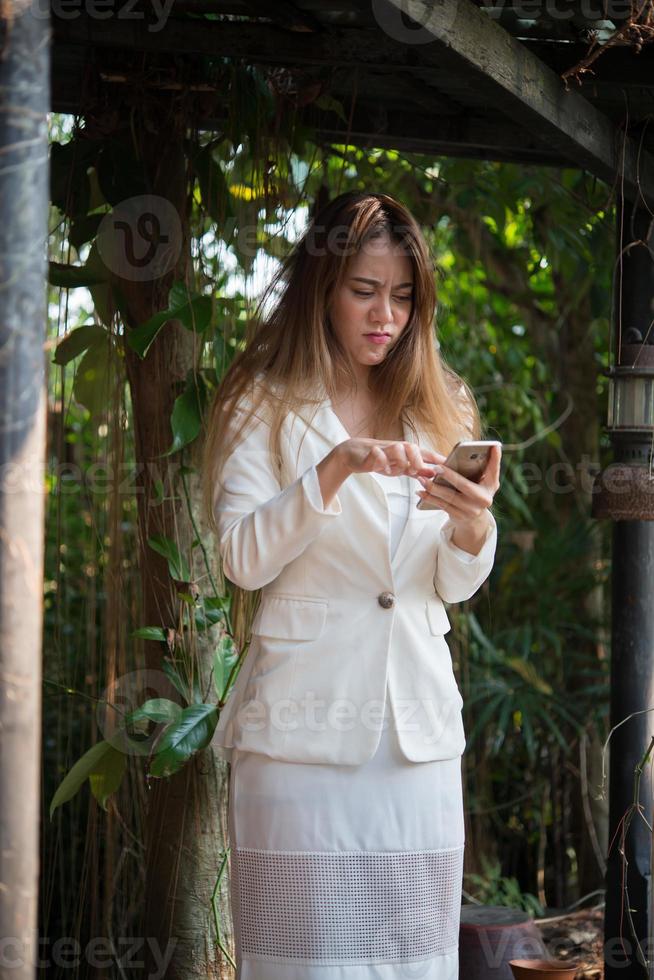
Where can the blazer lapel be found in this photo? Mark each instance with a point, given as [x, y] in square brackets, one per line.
[324, 422]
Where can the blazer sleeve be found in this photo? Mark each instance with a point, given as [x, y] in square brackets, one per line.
[458, 573]
[262, 527]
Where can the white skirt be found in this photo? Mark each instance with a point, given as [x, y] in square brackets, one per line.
[346, 872]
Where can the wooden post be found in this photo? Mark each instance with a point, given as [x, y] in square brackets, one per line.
[24, 196]
[624, 493]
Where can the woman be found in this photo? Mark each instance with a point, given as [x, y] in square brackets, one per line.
[344, 726]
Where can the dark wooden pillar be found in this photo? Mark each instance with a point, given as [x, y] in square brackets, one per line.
[625, 494]
[24, 195]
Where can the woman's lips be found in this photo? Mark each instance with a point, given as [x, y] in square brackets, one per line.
[378, 338]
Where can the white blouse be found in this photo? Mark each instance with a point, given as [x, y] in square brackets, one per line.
[399, 493]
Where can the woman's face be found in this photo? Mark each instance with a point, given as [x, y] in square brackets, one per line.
[372, 307]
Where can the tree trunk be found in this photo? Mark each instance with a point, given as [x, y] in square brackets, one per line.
[24, 102]
[183, 839]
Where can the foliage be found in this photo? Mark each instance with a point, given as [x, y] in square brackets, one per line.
[492, 888]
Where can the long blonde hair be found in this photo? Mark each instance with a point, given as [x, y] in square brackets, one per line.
[297, 352]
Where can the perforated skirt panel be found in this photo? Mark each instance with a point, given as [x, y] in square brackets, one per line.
[346, 872]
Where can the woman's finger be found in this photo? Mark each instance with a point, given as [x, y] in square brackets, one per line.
[491, 474]
[446, 506]
[432, 457]
[475, 492]
[376, 460]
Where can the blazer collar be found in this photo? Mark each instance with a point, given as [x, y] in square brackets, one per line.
[324, 422]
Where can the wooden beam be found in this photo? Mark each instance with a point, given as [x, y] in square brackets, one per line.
[258, 43]
[285, 13]
[474, 138]
[518, 83]
[469, 58]
[378, 120]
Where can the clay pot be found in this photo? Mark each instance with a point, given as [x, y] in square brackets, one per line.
[543, 970]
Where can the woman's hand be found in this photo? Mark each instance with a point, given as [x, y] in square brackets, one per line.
[465, 502]
[387, 457]
[372, 455]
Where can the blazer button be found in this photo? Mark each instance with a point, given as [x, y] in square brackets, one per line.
[386, 599]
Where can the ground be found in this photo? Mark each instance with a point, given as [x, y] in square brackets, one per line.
[578, 938]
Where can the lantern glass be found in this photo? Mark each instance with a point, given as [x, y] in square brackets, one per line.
[631, 403]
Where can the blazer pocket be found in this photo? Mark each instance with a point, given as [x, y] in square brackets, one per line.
[437, 618]
[289, 617]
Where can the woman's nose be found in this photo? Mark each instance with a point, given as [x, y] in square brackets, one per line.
[382, 309]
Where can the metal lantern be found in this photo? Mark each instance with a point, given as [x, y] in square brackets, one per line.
[625, 489]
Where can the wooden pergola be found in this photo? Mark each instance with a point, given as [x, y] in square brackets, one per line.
[464, 80]
[512, 81]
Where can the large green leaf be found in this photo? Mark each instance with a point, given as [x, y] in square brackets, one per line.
[225, 657]
[192, 310]
[93, 376]
[150, 633]
[212, 610]
[72, 276]
[106, 777]
[176, 679]
[98, 760]
[177, 564]
[77, 341]
[160, 710]
[186, 418]
[192, 732]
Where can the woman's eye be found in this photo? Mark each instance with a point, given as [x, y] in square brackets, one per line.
[401, 299]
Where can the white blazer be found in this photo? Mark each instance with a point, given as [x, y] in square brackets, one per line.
[339, 621]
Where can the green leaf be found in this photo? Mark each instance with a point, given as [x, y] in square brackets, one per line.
[177, 565]
[72, 345]
[93, 375]
[330, 104]
[219, 670]
[159, 710]
[186, 418]
[72, 276]
[175, 678]
[104, 294]
[150, 633]
[181, 741]
[192, 310]
[140, 338]
[106, 778]
[211, 611]
[90, 763]
[225, 657]
[196, 315]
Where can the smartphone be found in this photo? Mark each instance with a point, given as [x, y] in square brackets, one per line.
[469, 458]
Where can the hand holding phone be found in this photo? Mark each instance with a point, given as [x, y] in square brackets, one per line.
[469, 458]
